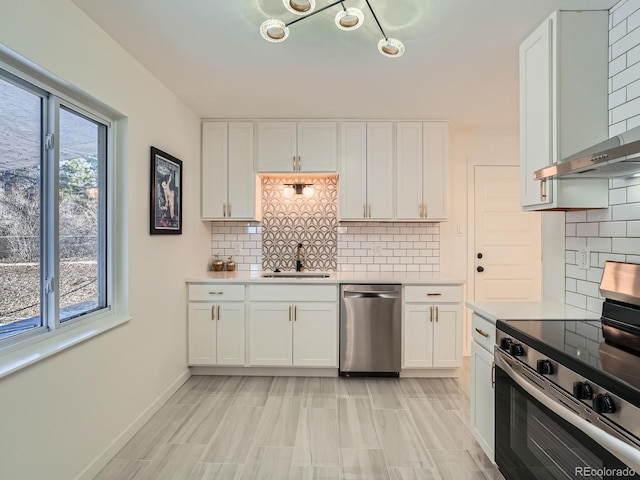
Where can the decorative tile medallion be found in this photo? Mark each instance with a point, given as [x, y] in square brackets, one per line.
[288, 221]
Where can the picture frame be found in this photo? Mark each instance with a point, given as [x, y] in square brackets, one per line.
[166, 194]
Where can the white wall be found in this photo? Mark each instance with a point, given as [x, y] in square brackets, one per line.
[612, 233]
[61, 414]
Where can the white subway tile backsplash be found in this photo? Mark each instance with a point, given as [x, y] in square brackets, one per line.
[575, 243]
[618, 230]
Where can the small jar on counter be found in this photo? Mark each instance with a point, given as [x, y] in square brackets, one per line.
[231, 265]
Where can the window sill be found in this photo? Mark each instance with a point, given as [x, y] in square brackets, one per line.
[49, 344]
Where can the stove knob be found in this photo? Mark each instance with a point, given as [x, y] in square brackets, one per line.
[582, 390]
[516, 350]
[603, 403]
[544, 367]
[505, 343]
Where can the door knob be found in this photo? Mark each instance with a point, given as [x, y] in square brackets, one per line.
[479, 255]
[480, 269]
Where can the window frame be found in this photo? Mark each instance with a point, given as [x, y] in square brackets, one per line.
[53, 336]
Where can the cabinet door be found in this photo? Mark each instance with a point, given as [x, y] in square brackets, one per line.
[418, 335]
[435, 169]
[241, 176]
[270, 333]
[317, 147]
[202, 334]
[353, 170]
[447, 336]
[276, 149]
[214, 169]
[409, 176]
[230, 339]
[482, 399]
[315, 334]
[380, 170]
[536, 141]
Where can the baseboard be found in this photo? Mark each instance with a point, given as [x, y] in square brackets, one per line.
[105, 457]
[266, 371]
[430, 373]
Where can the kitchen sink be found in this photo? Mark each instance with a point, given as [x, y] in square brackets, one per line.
[296, 275]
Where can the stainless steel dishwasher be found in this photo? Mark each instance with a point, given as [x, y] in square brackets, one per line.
[370, 326]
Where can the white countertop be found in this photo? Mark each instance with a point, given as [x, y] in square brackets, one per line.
[407, 278]
[494, 311]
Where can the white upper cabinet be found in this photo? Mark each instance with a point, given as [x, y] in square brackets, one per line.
[366, 171]
[228, 177]
[286, 147]
[422, 150]
[563, 106]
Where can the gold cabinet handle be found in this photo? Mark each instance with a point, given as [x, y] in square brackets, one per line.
[433, 294]
[369, 210]
[431, 314]
[224, 209]
[289, 312]
[543, 189]
[426, 211]
[229, 210]
[483, 333]
[299, 163]
[218, 312]
[213, 312]
[364, 210]
[437, 314]
[295, 313]
[216, 293]
[293, 163]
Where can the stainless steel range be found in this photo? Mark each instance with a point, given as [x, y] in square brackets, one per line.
[568, 391]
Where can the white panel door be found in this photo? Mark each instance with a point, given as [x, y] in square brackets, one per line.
[508, 239]
[241, 175]
[317, 147]
[447, 335]
[277, 150]
[380, 170]
[435, 173]
[270, 333]
[482, 406]
[315, 334]
[536, 142]
[409, 178]
[353, 170]
[214, 169]
[230, 338]
[202, 334]
[418, 335]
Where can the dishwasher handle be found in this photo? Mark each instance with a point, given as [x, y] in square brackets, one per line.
[371, 294]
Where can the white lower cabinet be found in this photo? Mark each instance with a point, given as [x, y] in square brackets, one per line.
[482, 384]
[296, 332]
[216, 324]
[432, 331]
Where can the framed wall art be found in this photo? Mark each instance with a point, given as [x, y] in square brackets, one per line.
[166, 194]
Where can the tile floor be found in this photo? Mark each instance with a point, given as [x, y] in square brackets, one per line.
[299, 428]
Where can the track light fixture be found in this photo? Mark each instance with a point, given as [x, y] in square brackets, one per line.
[347, 19]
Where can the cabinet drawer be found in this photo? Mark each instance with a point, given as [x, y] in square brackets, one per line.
[483, 332]
[294, 293]
[433, 293]
[216, 292]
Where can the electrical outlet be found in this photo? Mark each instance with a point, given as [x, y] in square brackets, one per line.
[584, 258]
[237, 248]
[377, 249]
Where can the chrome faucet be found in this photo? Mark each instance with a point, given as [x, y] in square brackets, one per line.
[299, 258]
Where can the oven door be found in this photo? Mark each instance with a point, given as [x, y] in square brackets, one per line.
[539, 437]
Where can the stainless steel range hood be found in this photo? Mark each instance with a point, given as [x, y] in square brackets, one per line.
[618, 156]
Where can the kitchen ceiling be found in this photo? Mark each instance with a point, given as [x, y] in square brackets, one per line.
[461, 59]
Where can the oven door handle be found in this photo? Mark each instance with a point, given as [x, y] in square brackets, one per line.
[625, 452]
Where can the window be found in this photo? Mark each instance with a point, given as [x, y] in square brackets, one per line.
[53, 211]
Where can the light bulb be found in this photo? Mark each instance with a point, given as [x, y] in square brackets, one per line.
[308, 191]
[288, 191]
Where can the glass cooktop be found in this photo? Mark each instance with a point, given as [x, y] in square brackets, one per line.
[580, 346]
